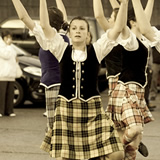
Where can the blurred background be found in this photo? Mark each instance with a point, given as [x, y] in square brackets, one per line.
[73, 7]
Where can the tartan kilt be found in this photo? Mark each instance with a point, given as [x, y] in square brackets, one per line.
[51, 95]
[81, 131]
[127, 106]
[112, 82]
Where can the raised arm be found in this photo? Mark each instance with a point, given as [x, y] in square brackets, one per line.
[142, 20]
[149, 9]
[99, 15]
[61, 7]
[44, 20]
[23, 15]
[120, 22]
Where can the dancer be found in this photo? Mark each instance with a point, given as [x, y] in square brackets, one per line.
[114, 59]
[50, 78]
[128, 110]
[78, 64]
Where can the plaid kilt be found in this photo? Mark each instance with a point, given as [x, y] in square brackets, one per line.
[112, 82]
[127, 106]
[51, 95]
[81, 131]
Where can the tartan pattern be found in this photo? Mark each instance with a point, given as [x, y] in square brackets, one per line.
[127, 106]
[112, 82]
[51, 95]
[81, 131]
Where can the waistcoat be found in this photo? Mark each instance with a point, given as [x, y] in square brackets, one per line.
[50, 67]
[88, 79]
[114, 61]
[134, 64]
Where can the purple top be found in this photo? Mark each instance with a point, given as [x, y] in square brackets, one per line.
[50, 67]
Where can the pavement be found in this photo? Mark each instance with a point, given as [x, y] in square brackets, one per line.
[21, 136]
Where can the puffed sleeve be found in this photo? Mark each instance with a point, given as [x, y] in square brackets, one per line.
[157, 39]
[39, 35]
[130, 43]
[103, 46]
[56, 45]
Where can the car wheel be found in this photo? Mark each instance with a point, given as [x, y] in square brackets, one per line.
[37, 93]
[18, 94]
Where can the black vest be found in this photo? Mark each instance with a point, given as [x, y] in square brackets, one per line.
[114, 61]
[89, 75]
[134, 65]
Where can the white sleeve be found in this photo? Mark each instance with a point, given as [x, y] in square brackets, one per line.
[56, 45]
[40, 37]
[157, 38]
[103, 46]
[131, 43]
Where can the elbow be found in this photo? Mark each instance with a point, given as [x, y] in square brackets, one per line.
[145, 30]
[119, 29]
[23, 19]
[43, 26]
[98, 17]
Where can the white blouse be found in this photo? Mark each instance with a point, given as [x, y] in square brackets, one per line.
[102, 46]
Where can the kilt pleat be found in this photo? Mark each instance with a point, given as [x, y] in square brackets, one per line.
[127, 106]
[51, 95]
[81, 130]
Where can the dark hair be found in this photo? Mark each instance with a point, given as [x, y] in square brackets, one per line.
[56, 18]
[131, 17]
[82, 19]
[6, 33]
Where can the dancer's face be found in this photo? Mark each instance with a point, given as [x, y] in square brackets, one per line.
[78, 31]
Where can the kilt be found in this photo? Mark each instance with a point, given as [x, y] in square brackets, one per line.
[127, 106]
[51, 95]
[81, 130]
[112, 82]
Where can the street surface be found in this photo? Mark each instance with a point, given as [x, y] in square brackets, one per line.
[21, 136]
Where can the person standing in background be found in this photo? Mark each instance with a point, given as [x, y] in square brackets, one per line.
[7, 74]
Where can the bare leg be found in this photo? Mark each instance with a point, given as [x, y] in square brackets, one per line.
[132, 138]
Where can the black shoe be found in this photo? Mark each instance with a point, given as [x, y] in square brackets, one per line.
[143, 149]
